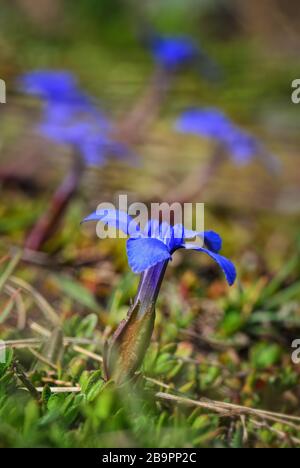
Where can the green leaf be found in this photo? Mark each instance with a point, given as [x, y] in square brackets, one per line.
[9, 269]
[95, 390]
[31, 416]
[287, 294]
[237, 439]
[92, 387]
[77, 292]
[283, 274]
[46, 394]
[7, 310]
[8, 360]
[264, 355]
[87, 326]
[232, 323]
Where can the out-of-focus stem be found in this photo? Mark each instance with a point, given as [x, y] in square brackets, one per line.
[135, 125]
[270, 162]
[132, 338]
[194, 185]
[48, 222]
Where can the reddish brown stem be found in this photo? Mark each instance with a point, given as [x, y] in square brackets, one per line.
[49, 221]
[134, 127]
[194, 185]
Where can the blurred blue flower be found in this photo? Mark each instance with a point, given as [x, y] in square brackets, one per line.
[241, 146]
[212, 123]
[172, 53]
[51, 85]
[71, 117]
[208, 123]
[157, 242]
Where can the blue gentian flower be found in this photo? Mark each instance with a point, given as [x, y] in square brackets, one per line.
[207, 123]
[51, 85]
[72, 118]
[156, 243]
[149, 251]
[172, 53]
[242, 146]
[213, 124]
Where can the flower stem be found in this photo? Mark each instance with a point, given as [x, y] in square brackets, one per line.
[48, 222]
[131, 340]
[149, 286]
[194, 185]
[133, 129]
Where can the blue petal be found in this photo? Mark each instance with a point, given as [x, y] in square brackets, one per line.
[166, 232]
[173, 52]
[189, 234]
[226, 265]
[48, 83]
[207, 123]
[117, 219]
[212, 240]
[179, 232]
[94, 150]
[242, 146]
[152, 229]
[146, 253]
